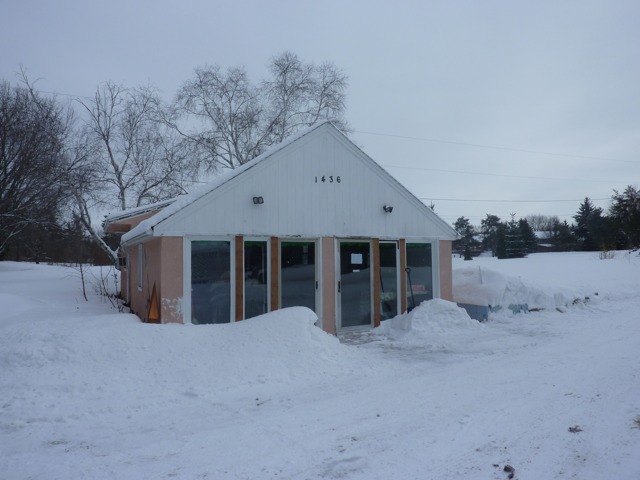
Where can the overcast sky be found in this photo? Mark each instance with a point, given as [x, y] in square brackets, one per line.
[462, 101]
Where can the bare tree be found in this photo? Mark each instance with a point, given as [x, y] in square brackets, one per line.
[130, 157]
[230, 121]
[225, 116]
[33, 160]
[542, 223]
[301, 94]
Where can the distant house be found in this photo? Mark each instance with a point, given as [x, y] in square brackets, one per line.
[313, 221]
[544, 242]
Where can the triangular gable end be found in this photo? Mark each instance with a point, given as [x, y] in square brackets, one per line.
[319, 184]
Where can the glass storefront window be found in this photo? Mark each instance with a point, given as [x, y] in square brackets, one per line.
[420, 275]
[210, 282]
[298, 274]
[256, 300]
[388, 280]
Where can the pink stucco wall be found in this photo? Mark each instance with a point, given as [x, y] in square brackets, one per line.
[171, 295]
[162, 267]
[446, 271]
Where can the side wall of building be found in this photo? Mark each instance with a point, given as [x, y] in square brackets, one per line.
[170, 294]
[155, 272]
[446, 270]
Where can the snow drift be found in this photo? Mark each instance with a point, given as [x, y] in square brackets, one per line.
[432, 320]
[546, 281]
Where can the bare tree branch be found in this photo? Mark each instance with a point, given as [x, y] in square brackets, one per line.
[229, 121]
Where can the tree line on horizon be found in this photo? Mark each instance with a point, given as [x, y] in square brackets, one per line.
[62, 162]
[593, 229]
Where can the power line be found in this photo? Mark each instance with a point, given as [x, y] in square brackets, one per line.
[486, 174]
[504, 201]
[494, 147]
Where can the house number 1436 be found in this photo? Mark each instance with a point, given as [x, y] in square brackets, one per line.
[328, 179]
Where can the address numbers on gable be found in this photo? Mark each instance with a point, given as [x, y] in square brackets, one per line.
[328, 179]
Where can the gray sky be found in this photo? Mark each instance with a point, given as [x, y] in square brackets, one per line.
[465, 100]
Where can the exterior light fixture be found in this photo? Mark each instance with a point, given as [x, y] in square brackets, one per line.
[387, 208]
[258, 200]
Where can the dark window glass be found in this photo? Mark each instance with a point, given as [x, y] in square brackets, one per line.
[298, 274]
[420, 276]
[255, 279]
[355, 284]
[210, 282]
[388, 280]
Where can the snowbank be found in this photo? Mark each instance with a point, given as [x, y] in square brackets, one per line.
[434, 320]
[546, 281]
[104, 352]
[476, 286]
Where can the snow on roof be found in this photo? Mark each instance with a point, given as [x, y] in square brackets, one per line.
[145, 227]
[134, 212]
[181, 202]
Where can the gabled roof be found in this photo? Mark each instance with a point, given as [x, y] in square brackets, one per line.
[180, 202]
[125, 216]
[145, 228]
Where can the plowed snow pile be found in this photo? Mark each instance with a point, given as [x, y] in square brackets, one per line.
[546, 280]
[430, 321]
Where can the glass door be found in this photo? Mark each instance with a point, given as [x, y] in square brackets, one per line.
[298, 281]
[256, 275]
[389, 280]
[354, 284]
[419, 273]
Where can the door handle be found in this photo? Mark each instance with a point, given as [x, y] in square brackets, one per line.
[338, 286]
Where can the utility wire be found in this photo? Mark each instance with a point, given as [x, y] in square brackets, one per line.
[437, 140]
[526, 177]
[494, 147]
[505, 201]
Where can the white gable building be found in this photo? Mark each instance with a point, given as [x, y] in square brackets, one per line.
[313, 221]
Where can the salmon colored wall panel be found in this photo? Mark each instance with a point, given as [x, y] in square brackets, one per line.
[140, 296]
[446, 271]
[328, 276]
[135, 302]
[152, 268]
[172, 280]
[123, 283]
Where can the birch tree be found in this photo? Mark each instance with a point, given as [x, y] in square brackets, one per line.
[230, 120]
[130, 157]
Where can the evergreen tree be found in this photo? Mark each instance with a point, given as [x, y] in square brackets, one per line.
[501, 240]
[589, 229]
[513, 239]
[467, 242]
[489, 227]
[625, 214]
[529, 239]
[562, 237]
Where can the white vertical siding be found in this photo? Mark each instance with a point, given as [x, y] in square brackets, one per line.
[295, 204]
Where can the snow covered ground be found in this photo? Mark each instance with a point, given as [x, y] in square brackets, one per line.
[87, 392]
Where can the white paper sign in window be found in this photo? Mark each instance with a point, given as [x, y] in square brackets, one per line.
[356, 259]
